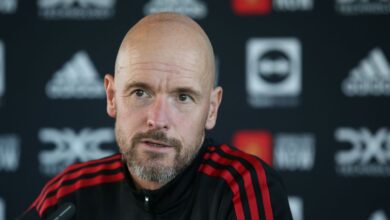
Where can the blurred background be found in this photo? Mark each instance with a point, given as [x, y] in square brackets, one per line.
[306, 88]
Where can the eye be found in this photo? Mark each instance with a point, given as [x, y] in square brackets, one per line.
[139, 92]
[184, 98]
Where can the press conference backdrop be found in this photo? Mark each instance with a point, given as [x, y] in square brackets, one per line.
[306, 87]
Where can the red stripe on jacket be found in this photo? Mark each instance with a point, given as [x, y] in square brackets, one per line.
[75, 175]
[265, 194]
[211, 171]
[246, 176]
[68, 169]
[65, 190]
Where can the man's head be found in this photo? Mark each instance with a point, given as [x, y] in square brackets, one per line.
[163, 96]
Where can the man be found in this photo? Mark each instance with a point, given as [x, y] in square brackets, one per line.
[163, 98]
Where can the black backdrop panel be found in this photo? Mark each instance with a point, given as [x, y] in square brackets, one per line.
[306, 87]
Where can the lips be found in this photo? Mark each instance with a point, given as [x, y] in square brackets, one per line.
[156, 144]
[150, 145]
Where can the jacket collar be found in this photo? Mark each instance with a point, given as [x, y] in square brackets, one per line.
[174, 192]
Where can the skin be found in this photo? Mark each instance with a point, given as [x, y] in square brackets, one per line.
[163, 84]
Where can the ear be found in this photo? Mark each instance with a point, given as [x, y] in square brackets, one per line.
[215, 101]
[110, 94]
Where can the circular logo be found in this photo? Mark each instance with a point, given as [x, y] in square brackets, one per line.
[274, 66]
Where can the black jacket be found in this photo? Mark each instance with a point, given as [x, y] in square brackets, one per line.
[221, 183]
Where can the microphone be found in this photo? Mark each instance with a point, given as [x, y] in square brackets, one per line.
[66, 211]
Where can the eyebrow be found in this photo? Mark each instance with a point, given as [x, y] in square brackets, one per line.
[188, 90]
[184, 89]
[136, 84]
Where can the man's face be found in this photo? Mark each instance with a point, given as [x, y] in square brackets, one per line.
[162, 106]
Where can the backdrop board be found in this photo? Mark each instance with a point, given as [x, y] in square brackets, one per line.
[306, 88]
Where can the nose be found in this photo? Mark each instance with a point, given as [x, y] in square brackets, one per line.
[157, 117]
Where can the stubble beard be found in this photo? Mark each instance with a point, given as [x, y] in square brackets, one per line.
[150, 168]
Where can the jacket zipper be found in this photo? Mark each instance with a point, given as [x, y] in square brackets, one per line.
[147, 203]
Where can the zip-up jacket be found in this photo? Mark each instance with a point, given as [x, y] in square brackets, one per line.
[221, 183]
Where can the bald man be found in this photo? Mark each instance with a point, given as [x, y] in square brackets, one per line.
[163, 99]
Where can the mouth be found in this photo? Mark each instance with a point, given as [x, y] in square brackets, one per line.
[153, 145]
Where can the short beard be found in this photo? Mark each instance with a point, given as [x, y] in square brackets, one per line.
[149, 169]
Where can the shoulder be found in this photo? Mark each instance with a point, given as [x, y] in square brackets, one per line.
[258, 191]
[77, 176]
[225, 157]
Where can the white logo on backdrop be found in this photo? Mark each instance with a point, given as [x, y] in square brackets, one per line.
[78, 78]
[378, 215]
[293, 5]
[273, 75]
[371, 77]
[369, 155]
[2, 70]
[8, 6]
[2, 209]
[357, 7]
[192, 8]
[294, 152]
[296, 206]
[76, 9]
[71, 147]
[9, 152]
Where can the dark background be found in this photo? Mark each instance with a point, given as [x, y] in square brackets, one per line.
[332, 44]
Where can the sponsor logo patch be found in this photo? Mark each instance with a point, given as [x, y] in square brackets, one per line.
[9, 152]
[370, 78]
[294, 152]
[76, 9]
[367, 153]
[296, 206]
[71, 147]
[264, 7]
[258, 143]
[378, 215]
[77, 79]
[273, 75]
[360, 7]
[8, 6]
[192, 8]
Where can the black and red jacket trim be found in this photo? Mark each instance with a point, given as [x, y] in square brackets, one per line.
[221, 183]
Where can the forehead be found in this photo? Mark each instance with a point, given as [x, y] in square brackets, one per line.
[173, 66]
[175, 50]
[162, 75]
[162, 70]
